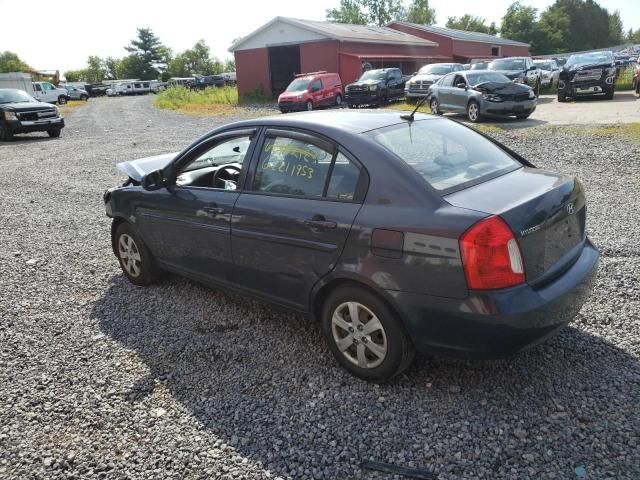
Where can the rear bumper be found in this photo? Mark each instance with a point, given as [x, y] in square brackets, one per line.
[501, 323]
[17, 126]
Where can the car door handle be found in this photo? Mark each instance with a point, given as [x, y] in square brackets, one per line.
[318, 221]
[213, 209]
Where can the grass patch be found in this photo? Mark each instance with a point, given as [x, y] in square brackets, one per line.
[625, 79]
[71, 105]
[487, 128]
[404, 106]
[210, 101]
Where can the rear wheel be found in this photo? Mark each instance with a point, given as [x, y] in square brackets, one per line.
[62, 99]
[54, 132]
[136, 261]
[435, 108]
[6, 135]
[473, 111]
[309, 105]
[364, 335]
[84, 98]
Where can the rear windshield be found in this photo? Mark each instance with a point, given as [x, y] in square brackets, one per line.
[447, 155]
[436, 69]
[508, 64]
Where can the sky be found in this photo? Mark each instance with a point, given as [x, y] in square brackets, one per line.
[67, 33]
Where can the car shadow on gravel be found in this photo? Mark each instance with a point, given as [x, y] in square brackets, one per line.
[262, 381]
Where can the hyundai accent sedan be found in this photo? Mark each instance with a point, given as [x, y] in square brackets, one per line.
[396, 233]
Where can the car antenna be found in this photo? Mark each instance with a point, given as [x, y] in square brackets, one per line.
[412, 114]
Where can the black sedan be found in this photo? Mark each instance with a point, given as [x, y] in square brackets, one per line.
[397, 233]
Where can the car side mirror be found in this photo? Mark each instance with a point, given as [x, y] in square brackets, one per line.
[461, 85]
[415, 73]
[153, 181]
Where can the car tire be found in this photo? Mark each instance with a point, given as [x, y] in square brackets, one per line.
[435, 106]
[562, 97]
[523, 117]
[6, 135]
[351, 345]
[62, 100]
[473, 111]
[54, 132]
[309, 105]
[84, 98]
[537, 89]
[338, 101]
[383, 100]
[637, 85]
[609, 94]
[136, 261]
[353, 105]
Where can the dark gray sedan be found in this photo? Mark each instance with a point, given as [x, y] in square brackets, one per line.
[396, 233]
[480, 93]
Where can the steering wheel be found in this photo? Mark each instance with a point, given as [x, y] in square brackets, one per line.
[224, 167]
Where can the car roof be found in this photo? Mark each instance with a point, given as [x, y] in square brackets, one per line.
[329, 121]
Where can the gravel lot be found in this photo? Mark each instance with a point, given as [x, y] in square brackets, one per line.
[101, 379]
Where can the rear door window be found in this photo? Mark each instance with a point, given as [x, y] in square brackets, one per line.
[447, 81]
[447, 155]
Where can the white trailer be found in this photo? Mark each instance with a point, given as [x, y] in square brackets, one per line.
[21, 81]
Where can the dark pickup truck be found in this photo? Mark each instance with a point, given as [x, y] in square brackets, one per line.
[587, 74]
[200, 82]
[21, 113]
[376, 87]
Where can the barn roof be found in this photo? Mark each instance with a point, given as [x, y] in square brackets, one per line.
[461, 34]
[343, 32]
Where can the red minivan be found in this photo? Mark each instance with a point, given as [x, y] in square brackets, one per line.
[311, 90]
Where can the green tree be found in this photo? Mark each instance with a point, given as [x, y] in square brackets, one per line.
[229, 65]
[150, 56]
[633, 36]
[616, 29]
[349, 11]
[520, 23]
[95, 71]
[366, 12]
[76, 75]
[10, 62]
[472, 24]
[111, 66]
[553, 31]
[420, 12]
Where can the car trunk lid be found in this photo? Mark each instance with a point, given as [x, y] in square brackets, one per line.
[546, 212]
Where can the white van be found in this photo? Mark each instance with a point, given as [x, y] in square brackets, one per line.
[46, 92]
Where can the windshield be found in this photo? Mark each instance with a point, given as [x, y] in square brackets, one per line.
[586, 58]
[447, 155]
[373, 75]
[15, 96]
[543, 65]
[298, 85]
[436, 69]
[508, 64]
[481, 77]
[479, 66]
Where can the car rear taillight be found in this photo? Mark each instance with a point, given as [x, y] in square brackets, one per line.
[491, 256]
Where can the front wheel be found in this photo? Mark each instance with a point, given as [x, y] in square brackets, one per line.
[338, 101]
[62, 100]
[6, 135]
[365, 336]
[473, 111]
[309, 105]
[609, 94]
[435, 108]
[523, 117]
[84, 98]
[54, 132]
[134, 257]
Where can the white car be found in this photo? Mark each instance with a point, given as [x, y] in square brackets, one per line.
[46, 92]
[550, 72]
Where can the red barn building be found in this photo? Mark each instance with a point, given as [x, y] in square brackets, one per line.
[268, 58]
[462, 46]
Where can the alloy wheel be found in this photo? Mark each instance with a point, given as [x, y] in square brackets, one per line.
[472, 111]
[359, 335]
[129, 255]
[434, 106]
